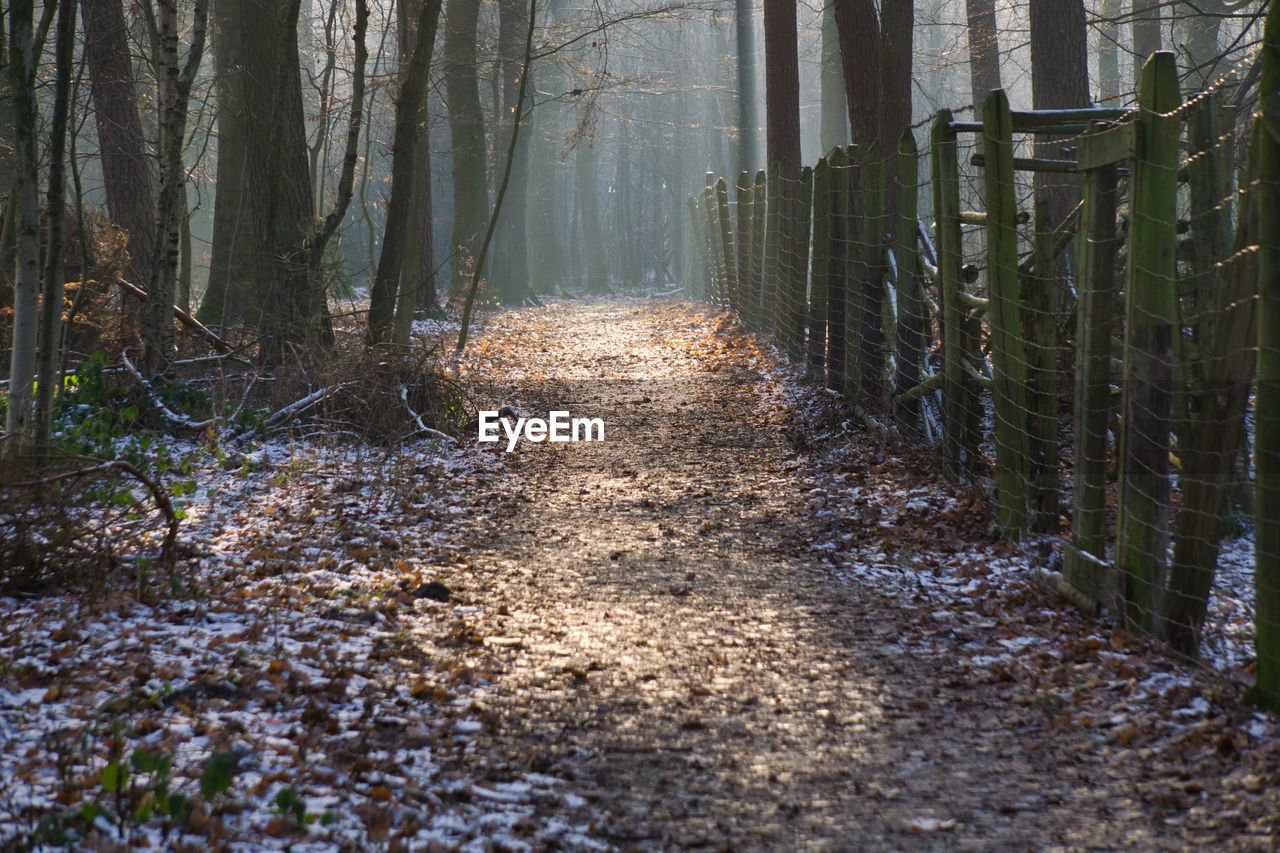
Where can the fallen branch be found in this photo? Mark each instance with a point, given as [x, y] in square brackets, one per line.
[183, 317]
[283, 416]
[173, 417]
[404, 398]
[168, 550]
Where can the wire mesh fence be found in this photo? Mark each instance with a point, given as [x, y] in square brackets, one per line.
[1092, 318]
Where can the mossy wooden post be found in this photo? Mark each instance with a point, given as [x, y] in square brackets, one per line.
[821, 267]
[1008, 355]
[911, 320]
[857, 275]
[1040, 330]
[698, 246]
[729, 297]
[799, 284]
[871, 357]
[743, 304]
[758, 219]
[838, 276]
[1267, 407]
[956, 394]
[784, 291]
[1085, 567]
[772, 243]
[1151, 314]
[714, 244]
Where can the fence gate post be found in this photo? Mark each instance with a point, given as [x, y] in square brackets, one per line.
[743, 288]
[911, 320]
[837, 280]
[1008, 355]
[1085, 567]
[729, 265]
[821, 267]
[946, 209]
[1151, 313]
[1267, 442]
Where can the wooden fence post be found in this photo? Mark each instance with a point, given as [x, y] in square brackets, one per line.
[758, 219]
[1008, 355]
[698, 245]
[871, 356]
[1040, 332]
[714, 244]
[838, 277]
[746, 311]
[821, 267]
[788, 191]
[728, 251]
[1267, 407]
[1151, 314]
[772, 247]
[1085, 567]
[956, 391]
[799, 278]
[911, 318]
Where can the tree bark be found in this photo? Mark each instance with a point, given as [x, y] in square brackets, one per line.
[175, 91]
[781, 83]
[127, 174]
[858, 30]
[466, 129]
[24, 209]
[511, 262]
[382, 298]
[984, 49]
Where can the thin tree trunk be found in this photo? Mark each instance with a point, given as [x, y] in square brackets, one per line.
[52, 297]
[127, 174]
[175, 91]
[748, 112]
[587, 180]
[858, 30]
[466, 130]
[382, 298]
[24, 210]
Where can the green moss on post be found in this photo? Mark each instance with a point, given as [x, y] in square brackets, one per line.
[911, 318]
[1151, 314]
[757, 248]
[728, 251]
[1267, 407]
[956, 392]
[1008, 354]
[743, 290]
[799, 283]
[821, 267]
[772, 256]
[838, 276]
[871, 356]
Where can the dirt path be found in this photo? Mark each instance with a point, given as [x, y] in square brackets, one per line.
[659, 639]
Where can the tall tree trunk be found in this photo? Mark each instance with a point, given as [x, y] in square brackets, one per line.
[781, 83]
[382, 298]
[1146, 15]
[24, 210]
[511, 261]
[127, 174]
[897, 18]
[1109, 51]
[984, 49]
[175, 91]
[52, 297]
[748, 111]
[858, 30]
[1059, 80]
[834, 128]
[229, 293]
[417, 276]
[466, 130]
[587, 180]
[278, 183]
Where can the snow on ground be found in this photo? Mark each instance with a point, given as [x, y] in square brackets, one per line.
[310, 650]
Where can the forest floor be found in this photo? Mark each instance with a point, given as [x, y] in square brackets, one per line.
[737, 623]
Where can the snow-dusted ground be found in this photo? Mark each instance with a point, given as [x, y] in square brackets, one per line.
[303, 652]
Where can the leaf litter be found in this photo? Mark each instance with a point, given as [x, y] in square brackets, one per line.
[739, 623]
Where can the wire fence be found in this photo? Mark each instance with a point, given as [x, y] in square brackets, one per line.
[1092, 315]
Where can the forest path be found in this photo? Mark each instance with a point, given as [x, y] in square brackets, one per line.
[660, 641]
